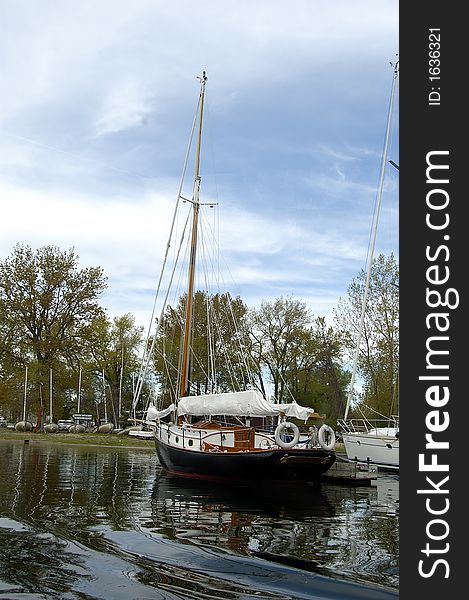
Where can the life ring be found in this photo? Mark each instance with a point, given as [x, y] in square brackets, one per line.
[281, 429]
[323, 432]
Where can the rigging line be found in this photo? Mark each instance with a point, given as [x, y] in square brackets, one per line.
[223, 263]
[243, 354]
[379, 195]
[158, 326]
[217, 322]
[180, 295]
[198, 362]
[149, 352]
[210, 361]
[387, 145]
[168, 244]
[205, 262]
[167, 363]
[223, 351]
[370, 408]
[230, 366]
[195, 357]
[173, 391]
[191, 347]
[287, 387]
[214, 285]
[227, 310]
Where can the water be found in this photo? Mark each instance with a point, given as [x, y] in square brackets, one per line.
[79, 522]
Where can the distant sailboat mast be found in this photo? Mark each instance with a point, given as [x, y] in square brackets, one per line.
[104, 398]
[373, 238]
[121, 374]
[79, 392]
[50, 396]
[25, 391]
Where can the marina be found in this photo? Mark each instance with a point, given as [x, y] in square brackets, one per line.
[108, 523]
[199, 328]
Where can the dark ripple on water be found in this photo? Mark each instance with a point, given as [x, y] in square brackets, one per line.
[100, 523]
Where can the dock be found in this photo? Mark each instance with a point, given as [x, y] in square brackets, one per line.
[348, 472]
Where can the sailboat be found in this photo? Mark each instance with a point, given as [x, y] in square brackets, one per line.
[373, 440]
[233, 435]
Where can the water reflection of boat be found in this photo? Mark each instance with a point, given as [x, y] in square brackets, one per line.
[250, 520]
[260, 498]
[320, 530]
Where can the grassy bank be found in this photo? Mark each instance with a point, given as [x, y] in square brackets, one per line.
[92, 439]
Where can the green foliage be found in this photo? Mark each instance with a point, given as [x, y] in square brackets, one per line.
[379, 349]
[113, 350]
[276, 345]
[219, 331]
[46, 306]
[51, 320]
[299, 355]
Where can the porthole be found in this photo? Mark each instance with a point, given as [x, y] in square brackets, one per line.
[177, 439]
[190, 442]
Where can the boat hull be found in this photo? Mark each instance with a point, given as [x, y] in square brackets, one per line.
[273, 465]
[371, 448]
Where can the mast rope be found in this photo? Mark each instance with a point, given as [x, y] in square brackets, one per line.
[168, 245]
[144, 370]
[373, 234]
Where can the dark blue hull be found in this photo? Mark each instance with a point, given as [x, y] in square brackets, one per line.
[271, 465]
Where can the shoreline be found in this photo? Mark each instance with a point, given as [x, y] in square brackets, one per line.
[105, 440]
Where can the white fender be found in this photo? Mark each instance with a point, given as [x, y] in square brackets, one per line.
[323, 432]
[281, 429]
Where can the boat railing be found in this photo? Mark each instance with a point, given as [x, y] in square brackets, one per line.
[227, 439]
[237, 439]
[366, 425]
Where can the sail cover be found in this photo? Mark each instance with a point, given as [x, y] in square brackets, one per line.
[153, 413]
[249, 403]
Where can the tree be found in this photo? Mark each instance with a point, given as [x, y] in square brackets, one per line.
[316, 374]
[46, 305]
[378, 360]
[277, 330]
[218, 345]
[113, 351]
[301, 355]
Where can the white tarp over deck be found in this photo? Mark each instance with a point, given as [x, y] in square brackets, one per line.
[249, 403]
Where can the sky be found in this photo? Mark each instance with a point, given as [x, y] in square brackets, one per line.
[96, 108]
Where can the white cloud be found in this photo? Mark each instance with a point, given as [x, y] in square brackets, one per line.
[127, 104]
[127, 236]
[81, 79]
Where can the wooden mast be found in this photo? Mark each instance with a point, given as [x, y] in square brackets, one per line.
[185, 362]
